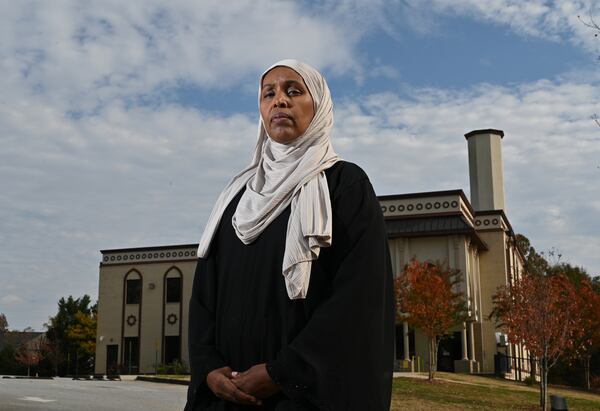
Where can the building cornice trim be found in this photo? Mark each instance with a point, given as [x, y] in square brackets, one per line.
[485, 131]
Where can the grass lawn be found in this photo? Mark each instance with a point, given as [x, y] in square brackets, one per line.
[471, 392]
[466, 392]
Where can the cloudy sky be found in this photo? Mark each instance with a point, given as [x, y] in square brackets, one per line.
[120, 121]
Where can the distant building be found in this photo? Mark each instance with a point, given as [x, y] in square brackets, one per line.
[144, 292]
[473, 236]
[142, 307]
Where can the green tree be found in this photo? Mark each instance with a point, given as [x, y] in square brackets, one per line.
[71, 359]
[83, 332]
[535, 263]
[3, 323]
[596, 284]
[8, 362]
[577, 275]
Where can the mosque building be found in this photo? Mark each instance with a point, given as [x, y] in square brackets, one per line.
[144, 292]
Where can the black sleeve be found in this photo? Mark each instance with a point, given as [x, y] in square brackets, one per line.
[343, 358]
[204, 356]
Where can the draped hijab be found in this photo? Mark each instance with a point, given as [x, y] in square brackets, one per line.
[284, 174]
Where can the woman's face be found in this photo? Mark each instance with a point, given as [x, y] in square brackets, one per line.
[286, 106]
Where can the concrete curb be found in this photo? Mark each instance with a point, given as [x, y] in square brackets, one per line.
[24, 377]
[162, 380]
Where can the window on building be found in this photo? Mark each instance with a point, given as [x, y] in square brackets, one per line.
[174, 290]
[133, 291]
[172, 348]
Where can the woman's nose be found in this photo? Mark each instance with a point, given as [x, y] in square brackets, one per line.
[281, 100]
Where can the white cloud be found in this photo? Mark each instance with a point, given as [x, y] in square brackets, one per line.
[11, 299]
[556, 19]
[81, 55]
[123, 177]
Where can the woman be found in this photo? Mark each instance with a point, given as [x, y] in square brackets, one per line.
[292, 305]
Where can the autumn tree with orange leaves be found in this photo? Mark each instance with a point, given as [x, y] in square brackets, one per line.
[588, 322]
[541, 312]
[428, 299]
[30, 353]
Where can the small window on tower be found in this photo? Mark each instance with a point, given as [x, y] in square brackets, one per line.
[174, 290]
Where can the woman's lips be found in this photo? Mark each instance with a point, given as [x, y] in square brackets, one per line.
[280, 118]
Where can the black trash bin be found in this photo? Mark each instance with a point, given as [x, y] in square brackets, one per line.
[558, 403]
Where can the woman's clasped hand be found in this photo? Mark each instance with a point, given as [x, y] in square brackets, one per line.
[245, 388]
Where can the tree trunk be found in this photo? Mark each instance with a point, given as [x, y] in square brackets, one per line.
[586, 367]
[432, 359]
[543, 383]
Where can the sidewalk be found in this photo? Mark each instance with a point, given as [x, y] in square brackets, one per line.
[421, 375]
[163, 379]
[424, 376]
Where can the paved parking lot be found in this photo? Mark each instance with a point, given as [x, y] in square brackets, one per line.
[67, 394]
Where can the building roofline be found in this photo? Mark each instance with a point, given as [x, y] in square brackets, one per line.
[423, 194]
[155, 248]
[485, 131]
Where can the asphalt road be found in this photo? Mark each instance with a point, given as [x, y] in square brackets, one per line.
[74, 395]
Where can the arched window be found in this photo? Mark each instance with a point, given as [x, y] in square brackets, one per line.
[131, 321]
[133, 287]
[172, 286]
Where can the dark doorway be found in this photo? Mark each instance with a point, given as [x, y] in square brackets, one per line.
[172, 348]
[112, 359]
[448, 351]
[131, 355]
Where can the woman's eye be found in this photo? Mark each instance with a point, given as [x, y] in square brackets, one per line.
[268, 94]
[294, 92]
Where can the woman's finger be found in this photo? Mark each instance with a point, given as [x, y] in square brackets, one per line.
[243, 398]
[230, 392]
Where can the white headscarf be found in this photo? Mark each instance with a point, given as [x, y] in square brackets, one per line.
[280, 174]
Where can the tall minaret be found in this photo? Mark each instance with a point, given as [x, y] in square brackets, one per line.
[486, 172]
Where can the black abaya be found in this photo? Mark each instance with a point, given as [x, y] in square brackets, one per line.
[330, 351]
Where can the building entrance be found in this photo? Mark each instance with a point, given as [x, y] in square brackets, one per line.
[448, 351]
[131, 350]
[112, 359]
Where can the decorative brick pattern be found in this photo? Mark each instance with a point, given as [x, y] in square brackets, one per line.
[143, 256]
